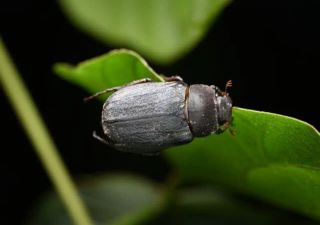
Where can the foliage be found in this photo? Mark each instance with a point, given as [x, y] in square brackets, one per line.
[273, 157]
[161, 30]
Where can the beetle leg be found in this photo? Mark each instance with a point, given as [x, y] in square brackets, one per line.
[101, 93]
[144, 80]
[101, 139]
[232, 131]
[172, 78]
[113, 89]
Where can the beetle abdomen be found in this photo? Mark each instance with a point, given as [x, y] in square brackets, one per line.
[146, 118]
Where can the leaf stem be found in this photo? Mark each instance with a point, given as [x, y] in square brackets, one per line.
[40, 138]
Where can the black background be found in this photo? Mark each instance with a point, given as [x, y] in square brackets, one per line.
[270, 49]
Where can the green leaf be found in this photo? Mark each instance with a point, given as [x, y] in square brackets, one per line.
[273, 157]
[115, 68]
[111, 200]
[162, 30]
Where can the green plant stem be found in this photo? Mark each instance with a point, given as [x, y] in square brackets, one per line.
[40, 138]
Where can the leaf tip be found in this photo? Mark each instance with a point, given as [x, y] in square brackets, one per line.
[301, 122]
[63, 70]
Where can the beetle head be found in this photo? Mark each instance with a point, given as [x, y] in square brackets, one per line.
[224, 110]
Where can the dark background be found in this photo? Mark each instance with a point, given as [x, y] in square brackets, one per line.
[270, 49]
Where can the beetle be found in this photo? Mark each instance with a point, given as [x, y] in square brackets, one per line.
[146, 117]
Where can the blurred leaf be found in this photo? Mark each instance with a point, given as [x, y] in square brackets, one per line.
[111, 199]
[131, 200]
[109, 70]
[202, 205]
[273, 157]
[162, 30]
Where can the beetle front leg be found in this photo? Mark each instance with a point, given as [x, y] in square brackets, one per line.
[144, 80]
[172, 78]
[101, 93]
[113, 89]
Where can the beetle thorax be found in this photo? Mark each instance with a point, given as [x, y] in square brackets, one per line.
[202, 110]
[208, 110]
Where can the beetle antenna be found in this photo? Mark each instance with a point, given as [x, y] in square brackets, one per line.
[228, 85]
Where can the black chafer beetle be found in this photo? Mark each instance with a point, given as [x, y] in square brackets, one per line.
[146, 117]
